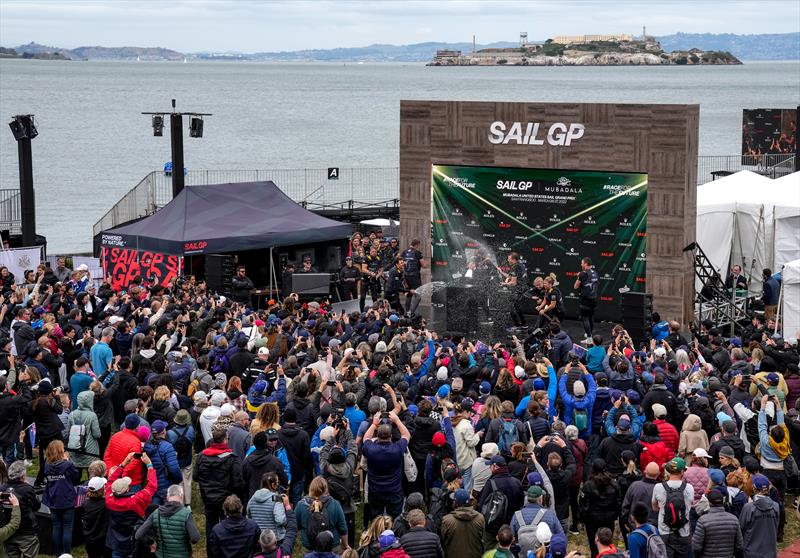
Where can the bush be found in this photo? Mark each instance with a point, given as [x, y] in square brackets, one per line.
[502, 61]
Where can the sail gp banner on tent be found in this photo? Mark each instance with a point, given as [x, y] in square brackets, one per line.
[552, 218]
[123, 265]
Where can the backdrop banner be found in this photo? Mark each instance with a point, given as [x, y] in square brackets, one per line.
[123, 265]
[552, 218]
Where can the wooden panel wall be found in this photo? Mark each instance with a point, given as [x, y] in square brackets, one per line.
[660, 140]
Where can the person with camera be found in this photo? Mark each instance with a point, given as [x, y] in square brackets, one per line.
[269, 505]
[385, 459]
[127, 506]
[337, 465]
[24, 541]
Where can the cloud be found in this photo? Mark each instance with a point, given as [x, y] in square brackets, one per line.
[246, 25]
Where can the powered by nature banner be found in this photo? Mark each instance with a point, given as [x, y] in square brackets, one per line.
[553, 218]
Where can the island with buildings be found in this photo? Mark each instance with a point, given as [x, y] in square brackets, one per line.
[584, 50]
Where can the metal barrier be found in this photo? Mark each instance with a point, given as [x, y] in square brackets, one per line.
[10, 211]
[710, 167]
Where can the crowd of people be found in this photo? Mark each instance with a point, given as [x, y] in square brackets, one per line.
[285, 422]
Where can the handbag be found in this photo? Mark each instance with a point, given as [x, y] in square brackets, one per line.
[790, 466]
[409, 467]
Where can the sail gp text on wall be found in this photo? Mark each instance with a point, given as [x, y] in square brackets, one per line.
[526, 133]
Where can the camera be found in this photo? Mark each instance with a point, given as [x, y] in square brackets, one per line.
[573, 359]
[761, 389]
[5, 498]
[331, 383]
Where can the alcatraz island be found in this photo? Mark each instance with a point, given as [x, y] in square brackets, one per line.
[584, 50]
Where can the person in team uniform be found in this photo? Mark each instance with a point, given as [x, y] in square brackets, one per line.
[515, 279]
[552, 306]
[412, 269]
[349, 277]
[587, 285]
[371, 274]
[396, 284]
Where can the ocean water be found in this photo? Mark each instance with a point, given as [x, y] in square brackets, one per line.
[94, 145]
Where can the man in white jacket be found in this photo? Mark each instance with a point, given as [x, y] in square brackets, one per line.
[466, 440]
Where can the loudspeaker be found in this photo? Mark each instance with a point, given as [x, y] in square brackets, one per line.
[636, 310]
[219, 272]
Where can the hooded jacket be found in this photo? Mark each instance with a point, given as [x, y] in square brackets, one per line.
[61, 477]
[86, 417]
[165, 462]
[692, 436]
[733, 441]
[297, 443]
[655, 451]
[262, 461]
[306, 416]
[234, 537]
[571, 403]
[462, 532]
[11, 407]
[219, 473]
[161, 410]
[759, 522]
[612, 447]
[421, 440]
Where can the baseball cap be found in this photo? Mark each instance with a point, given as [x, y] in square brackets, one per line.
[623, 424]
[519, 372]
[498, 460]
[716, 476]
[132, 421]
[272, 434]
[558, 545]
[773, 378]
[461, 497]
[675, 465]
[760, 482]
[444, 391]
[387, 538]
[467, 404]
[700, 452]
[485, 387]
[121, 486]
[158, 426]
[439, 440]
[534, 491]
[263, 351]
[659, 410]
[96, 483]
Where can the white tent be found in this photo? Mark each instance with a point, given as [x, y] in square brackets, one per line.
[790, 294]
[749, 220]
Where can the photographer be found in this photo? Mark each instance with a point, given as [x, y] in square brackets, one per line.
[385, 464]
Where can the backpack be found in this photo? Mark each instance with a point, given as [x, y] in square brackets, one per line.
[654, 544]
[194, 387]
[675, 515]
[508, 436]
[580, 418]
[317, 520]
[440, 505]
[182, 445]
[340, 489]
[495, 508]
[526, 536]
[77, 439]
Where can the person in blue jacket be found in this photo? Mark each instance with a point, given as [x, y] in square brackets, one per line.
[415, 375]
[624, 408]
[61, 476]
[164, 459]
[552, 391]
[660, 329]
[581, 399]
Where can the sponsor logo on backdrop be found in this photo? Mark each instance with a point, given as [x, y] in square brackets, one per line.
[537, 249]
[589, 220]
[554, 262]
[112, 240]
[196, 246]
[123, 265]
[457, 212]
[606, 277]
[473, 223]
[572, 230]
[572, 253]
[625, 223]
[607, 232]
[641, 257]
[514, 185]
[621, 189]
[625, 244]
[589, 242]
[441, 242]
[607, 254]
[640, 279]
[624, 267]
[555, 218]
[532, 133]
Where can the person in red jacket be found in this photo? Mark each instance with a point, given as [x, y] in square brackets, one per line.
[120, 446]
[654, 450]
[668, 434]
[125, 509]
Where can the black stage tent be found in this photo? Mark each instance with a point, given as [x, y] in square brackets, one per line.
[218, 218]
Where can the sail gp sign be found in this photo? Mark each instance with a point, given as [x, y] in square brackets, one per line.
[528, 133]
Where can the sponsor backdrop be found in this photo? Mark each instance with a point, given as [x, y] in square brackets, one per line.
[553, 218]
[123, 265]
[768, 131]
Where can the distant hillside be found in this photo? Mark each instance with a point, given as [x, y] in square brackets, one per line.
[778, 46]
[783, 46]
[103, 53]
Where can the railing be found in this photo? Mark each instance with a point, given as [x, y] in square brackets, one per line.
[309, 187]
[710, 167]
[10, 211]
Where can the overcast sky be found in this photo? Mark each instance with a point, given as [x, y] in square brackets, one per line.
[251, 26]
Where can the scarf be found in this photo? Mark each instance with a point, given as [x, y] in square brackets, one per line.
[782, 449]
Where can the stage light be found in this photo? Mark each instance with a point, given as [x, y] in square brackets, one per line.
[158, 125]
[23, 127]
[196, 127]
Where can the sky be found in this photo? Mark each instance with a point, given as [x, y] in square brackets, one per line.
[265, 26]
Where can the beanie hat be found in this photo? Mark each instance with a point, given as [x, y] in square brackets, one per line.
[543, 533]
[132, 421]
[439, 439]
[519, 372]
[624, 423]
[486, 387]
[538, 384]
[441, 374]
[659, 410]
[578, 389]
[387, 538]
[727, 451]
[444, 391]
[380, 347]
[488, 450]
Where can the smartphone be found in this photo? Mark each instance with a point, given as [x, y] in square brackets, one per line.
[137, 455]
[331, 383]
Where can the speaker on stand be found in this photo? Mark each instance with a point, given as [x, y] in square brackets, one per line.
[636, 310]
[219, 272]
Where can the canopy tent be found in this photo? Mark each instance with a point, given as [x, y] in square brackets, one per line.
[217, 218]
[736, 222]
[790, 294]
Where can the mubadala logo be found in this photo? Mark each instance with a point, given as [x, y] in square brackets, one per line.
[537, 226]
[473, 223]
[527, 133]
[537, 270]
[563, 181]
[606, 277]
